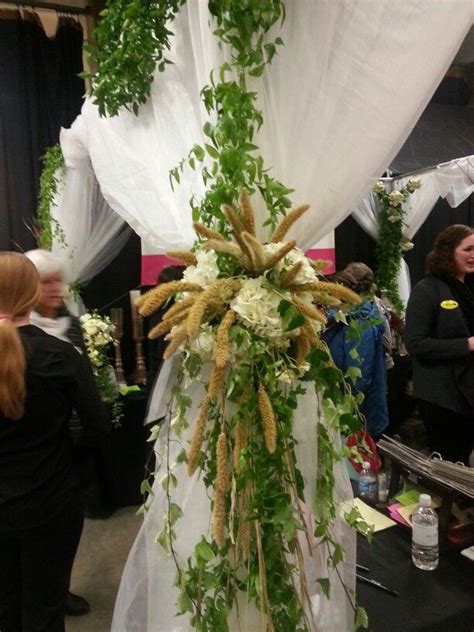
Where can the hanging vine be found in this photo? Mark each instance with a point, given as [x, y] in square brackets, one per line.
[230, 155]
[51, 175]
[391, 241]
[245, 318]
[130, 43]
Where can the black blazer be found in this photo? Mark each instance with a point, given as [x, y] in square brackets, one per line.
[436, 336]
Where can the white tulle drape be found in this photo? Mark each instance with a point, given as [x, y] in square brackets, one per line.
[452, 180]
[338, 102]
[93, 233]
[146, 601]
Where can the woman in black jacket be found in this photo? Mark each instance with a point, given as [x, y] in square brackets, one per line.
[440, 337]
[41, 514]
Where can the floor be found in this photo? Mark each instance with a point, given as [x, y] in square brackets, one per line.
[98, 567]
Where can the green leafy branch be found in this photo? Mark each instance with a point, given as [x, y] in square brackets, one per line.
[229, 155]
[391, 241]
[53, 171]
[130, 42]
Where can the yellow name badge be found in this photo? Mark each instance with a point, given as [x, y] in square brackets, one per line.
[449, 304]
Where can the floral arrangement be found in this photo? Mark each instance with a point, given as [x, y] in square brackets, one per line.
[247, 317]
[392, 242]
[98, 335]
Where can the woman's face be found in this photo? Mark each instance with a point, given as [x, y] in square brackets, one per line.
[51, 295]
[463, 256]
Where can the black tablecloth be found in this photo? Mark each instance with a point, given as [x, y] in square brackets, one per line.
[118, 462]
[430, 601]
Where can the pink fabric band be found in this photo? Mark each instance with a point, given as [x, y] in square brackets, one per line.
[6, 317]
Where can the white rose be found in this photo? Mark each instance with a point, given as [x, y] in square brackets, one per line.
[407, 245]
[379, 187]
[394, 217]
[413, 184]
[395, 198]
[206, 269]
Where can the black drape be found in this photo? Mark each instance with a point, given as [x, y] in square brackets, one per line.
[39, 93]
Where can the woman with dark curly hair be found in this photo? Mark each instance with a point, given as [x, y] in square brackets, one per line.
[440, 337]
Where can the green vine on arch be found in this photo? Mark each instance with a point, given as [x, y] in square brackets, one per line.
[230, 153]
[51, 175]
[391, 241]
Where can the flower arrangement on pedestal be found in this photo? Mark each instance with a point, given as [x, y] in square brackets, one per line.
[391, 241]
[98, 332]
[247, 317]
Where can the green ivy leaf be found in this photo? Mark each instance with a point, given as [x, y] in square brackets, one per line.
[361, 620]
[325, 585]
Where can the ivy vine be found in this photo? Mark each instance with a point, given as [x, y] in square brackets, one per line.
[230, 156]
[51, 175]
[391, 241]
[130, 42]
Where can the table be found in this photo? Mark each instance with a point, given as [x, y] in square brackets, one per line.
[119, 461]
[430, 601]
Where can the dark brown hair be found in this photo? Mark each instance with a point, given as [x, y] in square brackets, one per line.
[440, 260]
[363, 275]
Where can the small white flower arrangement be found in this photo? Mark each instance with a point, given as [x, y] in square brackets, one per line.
[392, 240]
[98, 335]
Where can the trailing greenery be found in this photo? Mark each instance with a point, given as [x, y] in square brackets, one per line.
[391, 241]
[230, 156]
[53, 171]
[130, 42]
[242, 443]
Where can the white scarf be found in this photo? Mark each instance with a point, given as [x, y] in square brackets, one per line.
[56, 327]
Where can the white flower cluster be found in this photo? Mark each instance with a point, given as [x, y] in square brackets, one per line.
[204, 343]
[97, 335]
[379, 187]
[206, 269]
[305, 275]
[257, 307]
[413, 184]
[406, 244]
[396, 198]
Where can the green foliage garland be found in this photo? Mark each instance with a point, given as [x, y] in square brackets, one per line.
[266, 482]
[130, 43]
[53, 171]
[230, 154]
[391, 242]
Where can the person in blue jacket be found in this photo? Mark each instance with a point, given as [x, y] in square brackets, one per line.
[370, 359]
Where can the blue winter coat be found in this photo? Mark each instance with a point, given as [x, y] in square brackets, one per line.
[370, 361]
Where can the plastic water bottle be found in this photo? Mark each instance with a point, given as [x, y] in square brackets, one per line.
[367, 483]
[424, 544]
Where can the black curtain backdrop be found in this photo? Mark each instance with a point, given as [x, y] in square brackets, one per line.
[39, 93]
[353, 244]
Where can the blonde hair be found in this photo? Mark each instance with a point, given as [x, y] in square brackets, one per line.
[19, 292]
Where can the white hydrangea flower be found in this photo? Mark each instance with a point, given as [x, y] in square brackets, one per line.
[379, 187]
[204, 343]
[306, 274]
[257, 307]
[206, 269]
[394, 217]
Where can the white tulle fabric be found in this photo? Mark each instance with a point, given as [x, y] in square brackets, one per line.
[338, 102]
[146, 600]
[93, 233]
[452, 180]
